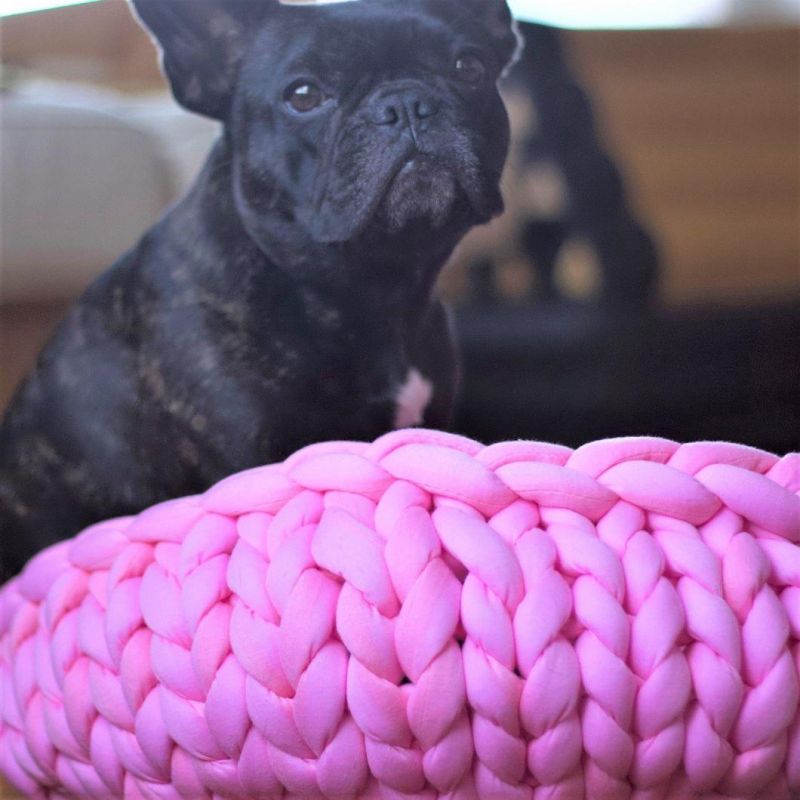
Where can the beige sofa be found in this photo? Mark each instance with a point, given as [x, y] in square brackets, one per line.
[83, 173]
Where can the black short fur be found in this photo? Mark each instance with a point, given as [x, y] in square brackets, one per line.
[285, 298]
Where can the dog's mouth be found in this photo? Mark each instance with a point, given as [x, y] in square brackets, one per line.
[422, 189]
[426, 189]
[423, 193]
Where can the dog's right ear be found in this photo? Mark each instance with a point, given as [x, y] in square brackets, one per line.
[202, 43]
[498, 22]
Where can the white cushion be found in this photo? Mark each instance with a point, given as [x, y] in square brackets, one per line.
[83, 174]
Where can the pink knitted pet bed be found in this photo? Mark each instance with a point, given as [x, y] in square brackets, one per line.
[423, 617]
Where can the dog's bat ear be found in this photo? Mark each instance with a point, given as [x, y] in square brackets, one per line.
[499, 22]
[202, 43]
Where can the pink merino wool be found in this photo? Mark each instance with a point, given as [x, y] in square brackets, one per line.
[423, 617]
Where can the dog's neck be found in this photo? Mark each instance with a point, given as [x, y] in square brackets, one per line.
[388, 280]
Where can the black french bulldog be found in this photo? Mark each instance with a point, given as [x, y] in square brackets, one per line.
[288, 298]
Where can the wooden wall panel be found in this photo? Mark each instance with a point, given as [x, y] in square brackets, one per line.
[706, 126]
[101, 40]
[704, 122]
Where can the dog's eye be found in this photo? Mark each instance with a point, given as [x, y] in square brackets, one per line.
[304, 96]
[470, 68]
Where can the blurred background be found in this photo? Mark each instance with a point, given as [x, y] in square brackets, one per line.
[644, 280]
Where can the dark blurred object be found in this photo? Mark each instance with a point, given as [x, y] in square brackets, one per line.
[542, 366]
[574, 375]
[595, 208]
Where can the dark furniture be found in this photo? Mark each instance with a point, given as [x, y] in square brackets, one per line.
[570, 375]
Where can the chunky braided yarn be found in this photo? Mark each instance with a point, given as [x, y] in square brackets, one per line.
[423, 617]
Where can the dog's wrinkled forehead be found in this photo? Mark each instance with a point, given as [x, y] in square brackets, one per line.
[493, 16]
[204, 42]
[381, 32]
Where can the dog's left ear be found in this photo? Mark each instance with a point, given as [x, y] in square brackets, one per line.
[496, 16]
[202, 44]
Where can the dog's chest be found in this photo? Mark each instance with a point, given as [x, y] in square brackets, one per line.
[396, 393]
[365, 368]
[411, 400]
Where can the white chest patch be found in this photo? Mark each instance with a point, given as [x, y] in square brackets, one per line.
[412, 400]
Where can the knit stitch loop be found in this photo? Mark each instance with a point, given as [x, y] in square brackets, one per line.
[423, 617]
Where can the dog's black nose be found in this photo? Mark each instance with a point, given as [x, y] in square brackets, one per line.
[403, 106]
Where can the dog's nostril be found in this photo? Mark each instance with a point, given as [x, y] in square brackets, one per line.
[425, 108]
[387, 114]
[406, 107]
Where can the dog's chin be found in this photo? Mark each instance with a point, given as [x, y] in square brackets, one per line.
[422, 194]
[421, 199]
